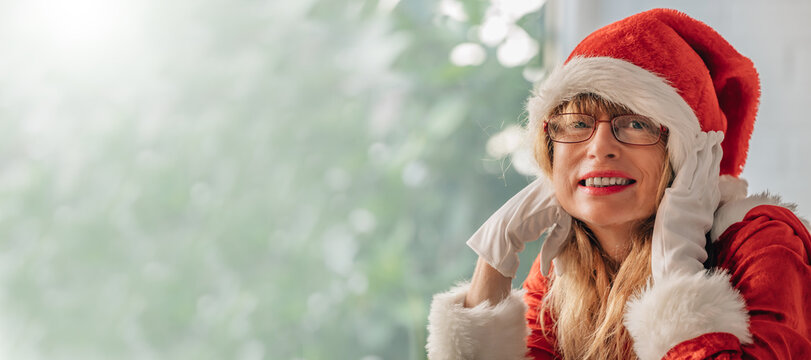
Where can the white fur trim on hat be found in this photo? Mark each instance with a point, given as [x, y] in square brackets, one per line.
[480, 332]
[732, 188]
[624, 83]
[682, 307]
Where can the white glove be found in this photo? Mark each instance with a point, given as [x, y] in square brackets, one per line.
[522, 219]
[686, 212]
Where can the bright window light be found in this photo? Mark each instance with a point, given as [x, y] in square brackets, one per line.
[72, 32]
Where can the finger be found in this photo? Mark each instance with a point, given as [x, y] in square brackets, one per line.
[554, 242]
[551, 247]
[718, 153]
[684, 175]
[706, 159]
[708, 175]
[713, 157]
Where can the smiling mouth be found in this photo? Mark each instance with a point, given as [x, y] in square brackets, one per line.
[599, 182]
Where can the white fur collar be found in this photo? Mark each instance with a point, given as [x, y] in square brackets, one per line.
[733, 211]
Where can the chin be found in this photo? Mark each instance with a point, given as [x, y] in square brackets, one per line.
[608, 217]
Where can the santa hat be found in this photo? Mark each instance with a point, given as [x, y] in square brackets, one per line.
[667, 66]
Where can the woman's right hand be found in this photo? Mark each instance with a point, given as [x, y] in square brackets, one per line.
[522, 219]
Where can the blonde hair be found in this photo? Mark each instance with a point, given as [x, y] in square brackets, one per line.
[587, 301]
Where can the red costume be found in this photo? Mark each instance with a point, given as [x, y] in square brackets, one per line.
[767, 255]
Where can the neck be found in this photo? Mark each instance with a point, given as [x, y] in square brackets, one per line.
[614, 239]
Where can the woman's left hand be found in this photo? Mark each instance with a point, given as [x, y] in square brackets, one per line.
[686, 212]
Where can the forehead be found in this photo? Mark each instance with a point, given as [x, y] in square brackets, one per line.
[591, 104]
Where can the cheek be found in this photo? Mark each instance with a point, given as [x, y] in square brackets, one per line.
[653, 173]
[562, 167]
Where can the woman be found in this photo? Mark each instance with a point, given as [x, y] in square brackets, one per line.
[652, 248]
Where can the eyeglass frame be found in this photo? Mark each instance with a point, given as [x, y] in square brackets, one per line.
[662, 129]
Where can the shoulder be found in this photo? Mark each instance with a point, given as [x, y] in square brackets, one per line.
[542, 341]
[761, 234]
[536, 285]
[766, 252]
[753, 212]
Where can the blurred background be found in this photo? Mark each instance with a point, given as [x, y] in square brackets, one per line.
[250, 179]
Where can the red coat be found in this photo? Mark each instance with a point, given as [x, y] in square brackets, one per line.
[756, 304]
[767, 258]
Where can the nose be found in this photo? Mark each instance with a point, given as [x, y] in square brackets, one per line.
[603, 144]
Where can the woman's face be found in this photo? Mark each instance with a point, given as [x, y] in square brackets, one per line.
[576, 167]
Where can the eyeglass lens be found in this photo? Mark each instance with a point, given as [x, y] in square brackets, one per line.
[629, 129]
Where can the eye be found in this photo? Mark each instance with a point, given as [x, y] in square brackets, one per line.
[580, 125]
[638, 125]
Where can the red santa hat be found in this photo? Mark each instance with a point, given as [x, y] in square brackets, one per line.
[667, 66]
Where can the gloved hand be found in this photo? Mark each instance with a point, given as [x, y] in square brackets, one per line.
[686, 212]
[522, 219]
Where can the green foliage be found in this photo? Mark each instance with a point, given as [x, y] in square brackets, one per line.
[279, 180]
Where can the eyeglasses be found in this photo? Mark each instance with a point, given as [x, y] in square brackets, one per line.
[627, 129]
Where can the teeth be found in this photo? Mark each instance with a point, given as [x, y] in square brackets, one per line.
[606, 181]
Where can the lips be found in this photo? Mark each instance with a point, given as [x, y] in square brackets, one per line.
[605, 173]
[605, 182]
